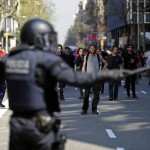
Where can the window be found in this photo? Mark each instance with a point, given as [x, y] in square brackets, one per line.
[148, 17]
[134, 7]
[141, 4]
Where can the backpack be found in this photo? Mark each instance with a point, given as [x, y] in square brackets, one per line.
[98, 58]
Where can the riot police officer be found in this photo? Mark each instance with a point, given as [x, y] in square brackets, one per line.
[31, 73]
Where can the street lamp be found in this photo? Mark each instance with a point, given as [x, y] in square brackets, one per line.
[6, 35]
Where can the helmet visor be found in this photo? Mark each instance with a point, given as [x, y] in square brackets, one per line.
[50, 42]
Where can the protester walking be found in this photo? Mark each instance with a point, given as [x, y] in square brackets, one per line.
[78, 67]
[131, 63]
[115, 61]
[62, 84]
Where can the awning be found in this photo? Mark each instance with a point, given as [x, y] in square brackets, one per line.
[147, 35]
[147, 38]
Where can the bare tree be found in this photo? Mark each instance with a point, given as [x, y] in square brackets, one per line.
[7, 10]
[39, 9]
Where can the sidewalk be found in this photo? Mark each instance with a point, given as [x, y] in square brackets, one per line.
[4, 126]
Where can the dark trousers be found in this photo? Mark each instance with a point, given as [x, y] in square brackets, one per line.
[24, 135]
[2, 91]
[81, 92]
[102, 87]
[130, 82]
[113, 89]
[61, 86]
[96, 90]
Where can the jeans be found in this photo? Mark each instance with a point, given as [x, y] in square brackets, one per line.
[113, 89]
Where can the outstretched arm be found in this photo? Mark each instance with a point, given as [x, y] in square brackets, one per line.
[63, 72]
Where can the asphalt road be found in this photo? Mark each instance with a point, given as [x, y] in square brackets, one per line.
[121, 125]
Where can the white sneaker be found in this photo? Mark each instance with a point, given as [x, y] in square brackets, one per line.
[96, 112]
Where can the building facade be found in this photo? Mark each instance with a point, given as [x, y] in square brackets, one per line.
[126, 20]
[8, 25]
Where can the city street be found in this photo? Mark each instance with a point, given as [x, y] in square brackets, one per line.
[43, 42]
[121, 125]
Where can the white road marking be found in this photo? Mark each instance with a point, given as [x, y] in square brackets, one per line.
[110, 133]
[131, 92]
[144, 92]
[3, 110]
[120, 148]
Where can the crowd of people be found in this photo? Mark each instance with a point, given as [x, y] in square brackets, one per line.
[83, 59]
[93, 58]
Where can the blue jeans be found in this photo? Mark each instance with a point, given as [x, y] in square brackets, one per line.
[113, 89]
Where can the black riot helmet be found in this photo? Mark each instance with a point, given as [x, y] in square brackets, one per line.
[40, 34]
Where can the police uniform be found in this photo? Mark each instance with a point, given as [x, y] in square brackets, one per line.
[31, 92]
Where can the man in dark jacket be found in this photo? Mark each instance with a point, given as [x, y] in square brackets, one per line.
[69, 57]
[115, 61]
[130, 63]
[62, 84]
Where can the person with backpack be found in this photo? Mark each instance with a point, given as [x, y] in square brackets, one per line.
[91, 64]
[115, 61]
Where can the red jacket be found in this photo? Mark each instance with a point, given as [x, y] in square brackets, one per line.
[2, 54]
